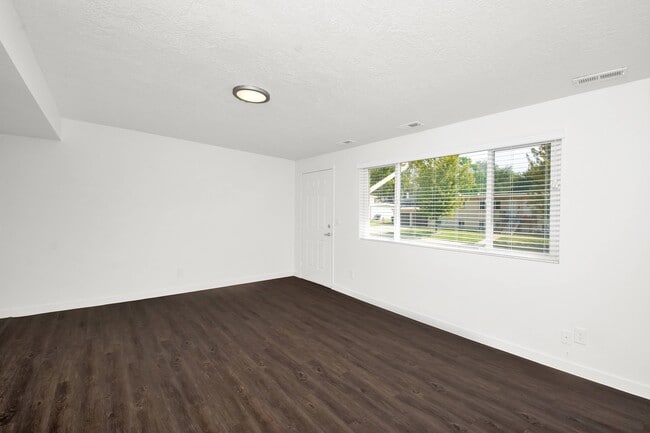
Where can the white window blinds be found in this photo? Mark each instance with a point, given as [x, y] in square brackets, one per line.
[502, 201]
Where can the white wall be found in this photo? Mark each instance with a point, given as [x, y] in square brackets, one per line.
[109, 215]
[602, 282]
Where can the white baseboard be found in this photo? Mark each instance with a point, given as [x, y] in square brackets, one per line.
[599, 376]
[28, 310]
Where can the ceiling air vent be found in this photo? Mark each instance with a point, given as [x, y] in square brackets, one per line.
[411, 125]
[601, 76]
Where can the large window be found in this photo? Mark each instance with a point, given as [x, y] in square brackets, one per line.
[501, 201]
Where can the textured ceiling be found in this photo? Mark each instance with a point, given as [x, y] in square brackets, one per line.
[337, 69]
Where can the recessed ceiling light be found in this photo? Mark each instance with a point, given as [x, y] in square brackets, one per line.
[252, 94]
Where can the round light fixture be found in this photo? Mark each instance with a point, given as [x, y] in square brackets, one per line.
[252, 94]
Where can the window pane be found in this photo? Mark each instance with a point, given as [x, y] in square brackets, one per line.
[503, 200]
[522, 194]
[440, 199]
[381, 189]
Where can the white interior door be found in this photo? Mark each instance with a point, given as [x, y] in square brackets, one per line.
[316, 227]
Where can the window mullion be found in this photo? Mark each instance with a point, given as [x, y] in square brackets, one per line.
[489, 201]
[397, 201]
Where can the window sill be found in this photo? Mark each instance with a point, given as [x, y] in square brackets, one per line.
[523, 255]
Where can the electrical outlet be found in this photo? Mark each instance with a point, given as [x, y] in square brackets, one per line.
[565, 337]
[580, 336]
[351, 274]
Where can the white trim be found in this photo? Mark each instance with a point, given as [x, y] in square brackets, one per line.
[333, 228]
[28, 310]
[494, 145]
[599, 376]
[468, 248]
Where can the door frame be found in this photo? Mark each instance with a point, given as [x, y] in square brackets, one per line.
[333, 223]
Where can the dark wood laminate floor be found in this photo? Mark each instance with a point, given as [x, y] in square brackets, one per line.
[280, 356]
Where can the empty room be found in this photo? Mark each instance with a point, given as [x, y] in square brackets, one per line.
[320, 217]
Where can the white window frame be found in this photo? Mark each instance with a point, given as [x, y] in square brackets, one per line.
[552, 256]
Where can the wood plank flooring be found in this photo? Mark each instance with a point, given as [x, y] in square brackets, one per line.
[280, 356]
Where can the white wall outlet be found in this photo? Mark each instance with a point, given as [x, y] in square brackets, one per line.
[351, 274]
[565, 337]
[580, 336]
